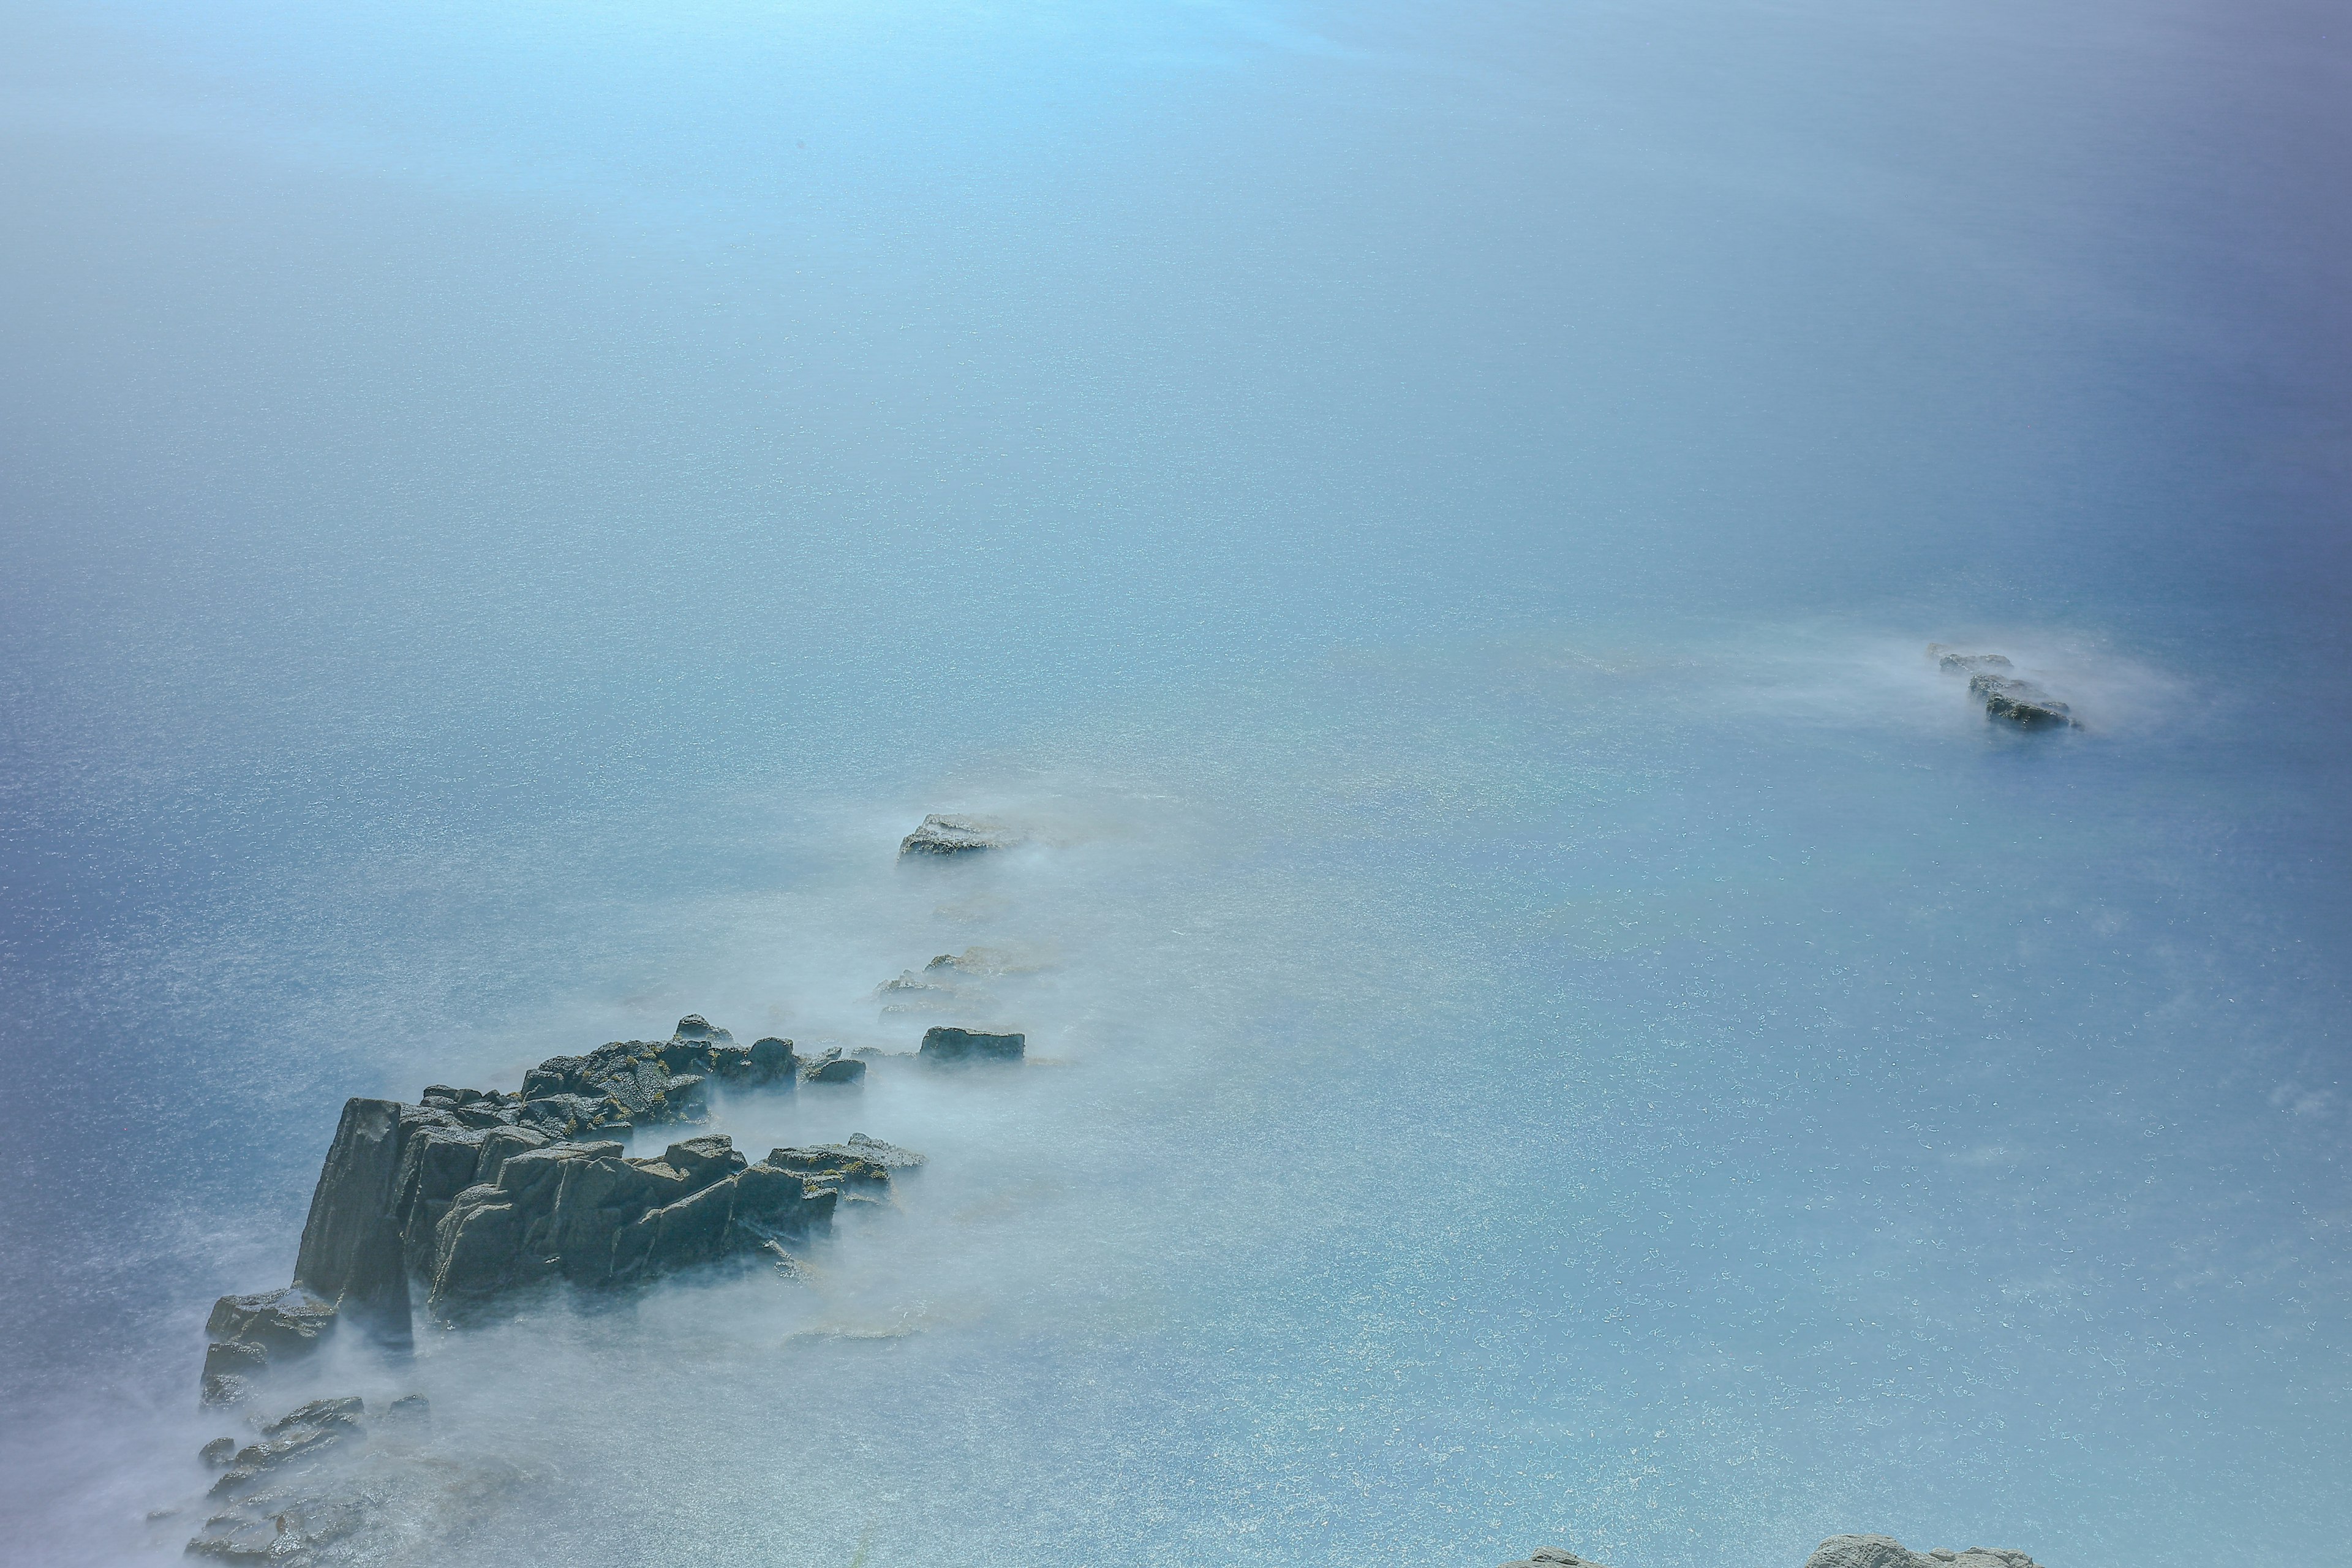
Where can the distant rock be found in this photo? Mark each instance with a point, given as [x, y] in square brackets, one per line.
[2005, 697]
[1884, 1552]
[949, 835]
[1837, 1552]
[1953, 661]
[951, 1046]
[2021, 702]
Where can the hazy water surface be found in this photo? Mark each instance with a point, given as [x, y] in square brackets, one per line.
[1554, 1022]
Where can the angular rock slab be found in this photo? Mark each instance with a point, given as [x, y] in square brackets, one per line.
[949, 1047]
[944, 833]
[351, 1254]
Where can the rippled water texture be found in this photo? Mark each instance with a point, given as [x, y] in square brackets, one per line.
[1553, 1021]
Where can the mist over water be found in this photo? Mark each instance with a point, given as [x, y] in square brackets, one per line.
[1550, 1020]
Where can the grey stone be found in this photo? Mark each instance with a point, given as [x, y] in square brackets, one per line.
[954, 834]
[2021, 702]
[832, 1067]
[952, 1048]
[1885, 1551]
[847, 1172]
[1552, 1557]
[217, 1453]
[248, 1335]
[350, 1253]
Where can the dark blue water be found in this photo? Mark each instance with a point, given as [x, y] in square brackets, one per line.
[1559, 1024]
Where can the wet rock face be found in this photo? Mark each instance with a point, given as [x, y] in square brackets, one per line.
[351, 1254]
[946, 1047]
[955, 834]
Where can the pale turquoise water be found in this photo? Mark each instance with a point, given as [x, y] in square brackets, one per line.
[1564, 1028]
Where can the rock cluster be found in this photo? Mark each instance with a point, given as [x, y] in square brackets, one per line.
[1837, 1552]
[470, 1192]
[285, 1497]
[2004, 696]
[949, 834]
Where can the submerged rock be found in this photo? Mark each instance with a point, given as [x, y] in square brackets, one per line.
[953, 834]
[944, 1047]
[1552, 1557]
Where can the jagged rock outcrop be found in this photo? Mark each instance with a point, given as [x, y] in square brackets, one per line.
[1885, 1551]
[247, 1335]
[955, 834]
[586, 1214]
[394, 1173]
[1552, 1557]
[951, 1046]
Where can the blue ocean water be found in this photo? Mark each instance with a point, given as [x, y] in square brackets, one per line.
[1555, 1022]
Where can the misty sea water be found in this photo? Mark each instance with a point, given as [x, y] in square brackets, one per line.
[1552, 1021]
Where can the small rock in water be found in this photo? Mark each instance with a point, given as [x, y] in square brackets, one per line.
[832, 1067]
[946, 835]
[1885, 1551]
[218, 1452]
[2021, 702]
[1552, 1557]
[944, 1047]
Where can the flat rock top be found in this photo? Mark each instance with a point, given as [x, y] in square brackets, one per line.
[949, 834]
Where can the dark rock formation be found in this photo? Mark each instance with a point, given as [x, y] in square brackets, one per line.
[247, 1334]
[351, 1242]
[946, 1047]
[1552, 1557]
[471, 1192]
[583, 1212]
[1884, 1552]
[949, 835]
[2021, 702]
